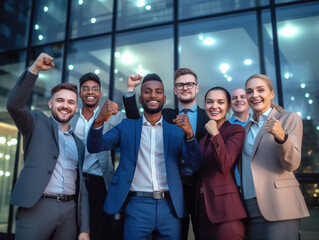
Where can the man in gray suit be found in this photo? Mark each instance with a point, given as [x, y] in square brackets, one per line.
[50, 191]
[97, 168]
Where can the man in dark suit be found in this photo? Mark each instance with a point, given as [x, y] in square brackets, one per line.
[186, 88]
[148, 176]
[97, 168]
[50, 191]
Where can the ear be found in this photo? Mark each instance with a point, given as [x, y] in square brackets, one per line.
[175, 91]
[50, 103]
[229, 107]
[272, 95]
[196, 89]
[164, 100]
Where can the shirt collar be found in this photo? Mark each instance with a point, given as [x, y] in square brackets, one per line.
[94, 112]
[60, 126]
[192, 108]
[146, 123]
[262, 117]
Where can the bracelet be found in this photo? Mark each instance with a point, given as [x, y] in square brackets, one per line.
[188, 139]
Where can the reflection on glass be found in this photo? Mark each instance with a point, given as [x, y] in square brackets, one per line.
[11, 65]
[227, 61]
[298, 36]
[46, 79]
[49, 20]
[148, 51]
[14, 24]
[131, 14]
[90, 17]
[191, 8]
[90, 56]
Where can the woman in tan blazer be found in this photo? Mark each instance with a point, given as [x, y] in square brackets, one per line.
[271, 152]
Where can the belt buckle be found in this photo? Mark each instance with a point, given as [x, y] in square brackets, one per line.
[59, 198]
[158, 195]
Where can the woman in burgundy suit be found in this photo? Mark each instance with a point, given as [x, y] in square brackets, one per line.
[220, 208]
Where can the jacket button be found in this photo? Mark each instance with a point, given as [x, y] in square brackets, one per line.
[55, 157]
[49, 172]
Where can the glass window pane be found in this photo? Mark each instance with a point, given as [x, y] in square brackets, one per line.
[210, 49]
[47, 79]
[191, 8]
[14, 24]
[132, 13]
[90, 56]
[11, 65]
[298, 35]
[49, 21]
[90, 17]
[143, 52]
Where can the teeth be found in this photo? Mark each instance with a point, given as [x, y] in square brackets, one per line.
[90, 98]
[152, 102]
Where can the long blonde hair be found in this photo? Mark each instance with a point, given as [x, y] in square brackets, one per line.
[269, 84]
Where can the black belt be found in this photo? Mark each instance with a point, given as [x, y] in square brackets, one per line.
[154, 195]
[93, 177]
[59, 197]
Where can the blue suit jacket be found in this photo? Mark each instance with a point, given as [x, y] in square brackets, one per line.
[127, 136]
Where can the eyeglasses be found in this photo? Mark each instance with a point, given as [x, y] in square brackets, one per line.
[189, 85]
[87, 89]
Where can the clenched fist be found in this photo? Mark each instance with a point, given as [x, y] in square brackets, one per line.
[273, 127]
[109, 108]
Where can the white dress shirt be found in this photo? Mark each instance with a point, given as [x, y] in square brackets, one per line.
[150, 172]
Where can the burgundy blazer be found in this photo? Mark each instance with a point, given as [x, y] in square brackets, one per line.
[219, 155]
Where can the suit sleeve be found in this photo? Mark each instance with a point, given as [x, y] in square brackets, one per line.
[98, 142]
[17, 102]
[290, 151]
[131, 107]
[227, 151]
[85, 209]
[191, 154]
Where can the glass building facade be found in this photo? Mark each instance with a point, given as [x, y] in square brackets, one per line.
[223, 41]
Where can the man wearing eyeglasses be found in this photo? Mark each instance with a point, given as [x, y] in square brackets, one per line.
[185, 88]
[98, 167]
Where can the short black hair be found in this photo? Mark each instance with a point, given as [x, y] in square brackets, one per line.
[90, 76]
[152, 77]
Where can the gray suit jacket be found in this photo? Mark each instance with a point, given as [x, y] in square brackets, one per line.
[104, 157]
[41, 151]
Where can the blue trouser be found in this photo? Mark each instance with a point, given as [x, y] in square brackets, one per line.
[147, 217]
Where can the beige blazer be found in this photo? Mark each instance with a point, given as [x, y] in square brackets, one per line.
[277, 190]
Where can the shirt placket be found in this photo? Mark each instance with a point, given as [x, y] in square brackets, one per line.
[153, 167]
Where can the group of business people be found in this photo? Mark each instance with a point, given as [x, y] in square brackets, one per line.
[175, 164]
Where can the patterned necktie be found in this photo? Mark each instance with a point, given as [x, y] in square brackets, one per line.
[186, 110]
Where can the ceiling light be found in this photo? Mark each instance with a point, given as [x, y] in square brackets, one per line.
[148, 7]
[140, 3]
[40, 37]
[93, 20]
[310, 101]
[71, 67]
[288, 31]
[127, 58]
[303, 85]
[45, 9]
[229, 79]
[248, 61]
[292, 98]
[308, 117]
[117, 54]
[201, 37]
[307, 95]
[97, 71]
[36, 26]
[80, 2]
[224, 67]
[208, 41]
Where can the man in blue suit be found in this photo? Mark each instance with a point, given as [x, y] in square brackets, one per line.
[147, 179]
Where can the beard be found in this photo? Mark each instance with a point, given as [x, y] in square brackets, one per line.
[151, 110]
[61, 120]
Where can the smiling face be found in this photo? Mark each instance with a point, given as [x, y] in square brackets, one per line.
[186, 95]
[217, 106]
[90, 94]
[239, 102]
[259, 95]
[152, 96]
[63, 105]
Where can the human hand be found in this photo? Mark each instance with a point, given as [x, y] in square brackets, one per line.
[109, 108]
[133, 81]
[273, 127]
[211, 127]
[182, 121]
[43, 62]
[84, 236]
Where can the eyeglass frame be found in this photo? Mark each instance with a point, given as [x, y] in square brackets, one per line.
[94, 89]
[180, 86]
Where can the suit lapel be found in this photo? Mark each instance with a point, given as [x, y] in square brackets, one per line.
[261, 132]
[55, 132]
[138, 132]
[166, 137]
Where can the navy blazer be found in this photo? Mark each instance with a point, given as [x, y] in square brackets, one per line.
[168, 114]
[127, 136]
[41, 151]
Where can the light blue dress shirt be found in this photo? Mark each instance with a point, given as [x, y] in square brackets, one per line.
[248, 182]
